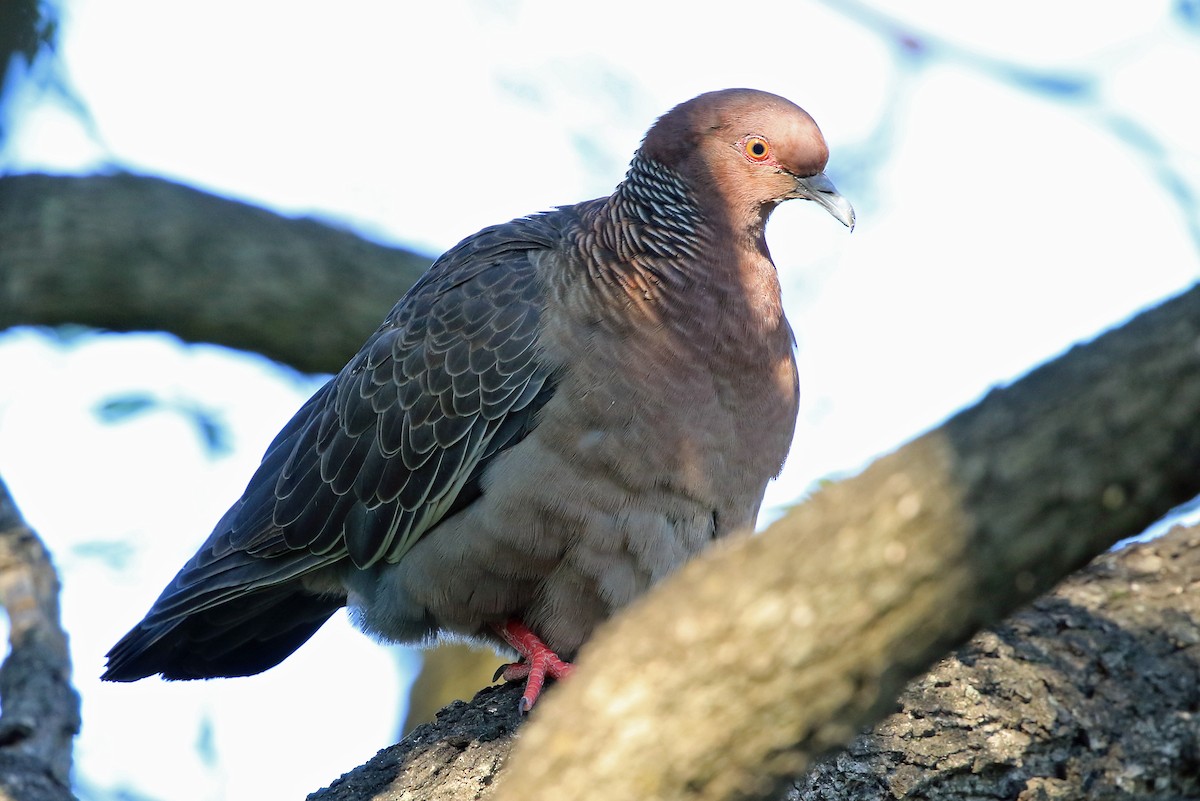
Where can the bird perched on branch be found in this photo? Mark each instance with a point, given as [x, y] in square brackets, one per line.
[560, 412]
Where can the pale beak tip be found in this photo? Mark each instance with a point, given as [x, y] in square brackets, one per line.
[820, 189]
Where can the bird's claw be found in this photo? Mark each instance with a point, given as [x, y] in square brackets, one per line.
[536, 663]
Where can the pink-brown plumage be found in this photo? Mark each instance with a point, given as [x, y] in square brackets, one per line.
[562, 411]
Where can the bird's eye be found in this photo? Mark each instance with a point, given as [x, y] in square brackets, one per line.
[757, 148]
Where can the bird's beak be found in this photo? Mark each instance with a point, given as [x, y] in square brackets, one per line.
[819, 188]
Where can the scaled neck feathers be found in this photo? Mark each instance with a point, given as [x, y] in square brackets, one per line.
[657, 245]
[657, 211]
[647, 231]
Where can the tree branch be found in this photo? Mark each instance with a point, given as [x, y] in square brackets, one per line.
[1092, 692]
[1094, 688]
[41, 710]
[133, 253]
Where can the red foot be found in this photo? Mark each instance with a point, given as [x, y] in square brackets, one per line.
[537, 662]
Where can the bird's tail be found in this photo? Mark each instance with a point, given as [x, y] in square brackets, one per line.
[241, 636]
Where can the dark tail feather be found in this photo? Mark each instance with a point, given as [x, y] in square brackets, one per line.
[239, 637]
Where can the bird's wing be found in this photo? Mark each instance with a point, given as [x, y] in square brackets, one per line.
[398, 439]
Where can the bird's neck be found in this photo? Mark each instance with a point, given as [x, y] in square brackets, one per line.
[656, 246]
[651, 217]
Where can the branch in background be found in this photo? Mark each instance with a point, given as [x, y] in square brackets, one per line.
[41, 710]
[132, 253]
[28, 36]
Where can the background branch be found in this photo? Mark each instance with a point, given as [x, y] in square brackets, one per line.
[133, 253]
[41, 710]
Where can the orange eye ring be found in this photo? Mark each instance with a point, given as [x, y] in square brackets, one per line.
[756, 148]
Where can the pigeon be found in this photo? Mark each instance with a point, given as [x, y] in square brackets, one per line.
[558, 414]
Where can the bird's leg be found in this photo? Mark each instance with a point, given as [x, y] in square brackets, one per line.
[537, 662]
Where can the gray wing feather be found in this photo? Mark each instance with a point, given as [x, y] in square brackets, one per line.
[383, 452]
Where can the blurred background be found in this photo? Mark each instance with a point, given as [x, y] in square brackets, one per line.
[1025, 175]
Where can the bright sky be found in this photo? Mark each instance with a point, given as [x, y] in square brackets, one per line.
[996, 227]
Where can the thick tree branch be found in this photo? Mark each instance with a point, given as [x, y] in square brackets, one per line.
[129, 253]
[1092, 692]
[41, 710]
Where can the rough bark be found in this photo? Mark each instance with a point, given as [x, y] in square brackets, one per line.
[457, 757]
[765, 655]
[132, 253]
[41, 709]
[1093, 692]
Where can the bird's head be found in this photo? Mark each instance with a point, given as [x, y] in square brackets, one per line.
[752, 149]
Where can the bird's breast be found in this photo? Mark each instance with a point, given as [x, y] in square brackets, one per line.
[698, 395]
